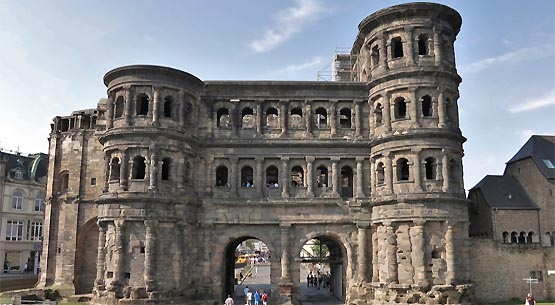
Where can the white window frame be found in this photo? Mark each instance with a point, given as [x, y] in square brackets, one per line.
[39, 201]
[35, 230]
[14, 230]
[17, 201]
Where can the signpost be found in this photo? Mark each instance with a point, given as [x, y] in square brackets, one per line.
[550, 272]
[530, 281]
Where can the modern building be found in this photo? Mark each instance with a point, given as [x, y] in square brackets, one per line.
[22, 193]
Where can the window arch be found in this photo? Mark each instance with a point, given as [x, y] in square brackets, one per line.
[396, 47]
[272, 117]
[247, 118]
[17, 200]
[297, 176]
[222, 118]
[297, 117]
[530, 237]
[166, 168]
[272, 176]
[64, 182]
[380, 173]
[321, 117]
[345, 118]
[168, 104]
[118, 107]
[39, 201]
[247, 177]
[505, 237]
[222, 176]
[115, 169]
[378, 114]
[403, 169]
[375, 57]
[514, 237]
[322, 176]
[346, 182]
[430, 165]
[423, 44]
[426, 103]
[139, 167]
[142, 104]
[400, 108]
[522, 238]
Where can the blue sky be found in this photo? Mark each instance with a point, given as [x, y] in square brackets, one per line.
[54, 54]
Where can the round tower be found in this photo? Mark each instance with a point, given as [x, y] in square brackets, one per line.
[419, 211]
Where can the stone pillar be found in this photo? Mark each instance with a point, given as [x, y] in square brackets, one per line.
[441, 110]
[333, 117]
[360, 178]
[153, 185]
[357, 118]
[389, 173]
[110, 112]
[210, 173]
[413, 107]
[451, 275]
[438, 56]
[100, 258]
[335, 177]
[178, 255]
[119, 276]
[466, 251]
[375, 253]
[362, 251]
[259, 183]
[150, 254]
[285, 230]
[128, 103]
[308, 118]
[372, 175]
[156, 106]
[391, 253]
[107, 162]
[124, 171]
[309, 177]
[234, 120]
[417, 170]
[182, 109]
[387, 111]
[284, 177]
[445, 171]
[180, 174]
[418, 253]
[259, 117]
[383, 51]
[234, 175]
[410, 45]
[370, 118]
[283, 116]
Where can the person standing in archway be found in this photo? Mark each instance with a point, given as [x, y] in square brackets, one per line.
[229, 300]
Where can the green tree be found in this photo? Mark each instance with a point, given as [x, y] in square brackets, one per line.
[319, 249]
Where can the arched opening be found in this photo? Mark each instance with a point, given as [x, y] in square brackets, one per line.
[17, 200]
[114, 169]
[430, 166]
[530, 237]
[166, 168]
[426, 102]
[247, 118]
[272, 176]
[522, 238]
[222, 118]
[322, 270]
[87, 249]
[118, 107]
[297, 176]
[221, 176]
[296, 119]
[400, 108]
[247, 269]
[272, 118]
[64, 182]
[247, 177]
[168, 104]
[322, 176]
[505, 237]
[345, 118]
[375, 57]
[396, 47]
[346, 182]
[139, 168]
[514, 237]
[380, 173]
[321, 118]
[378, 114]
[552, 237]
[403, 169]
[142, 104]
[422, 44]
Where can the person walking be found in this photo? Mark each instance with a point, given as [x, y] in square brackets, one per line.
[249, 298]
[529, 300]
[257, 298]
[246, 291]
[229, 300]
[264, 298]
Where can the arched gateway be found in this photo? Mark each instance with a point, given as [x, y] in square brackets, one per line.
[177, 172]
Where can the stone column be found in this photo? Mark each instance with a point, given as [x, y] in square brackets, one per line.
[107, 167]
[387, 111]
[389, 173]
[383, 51]
[110, 112]
[370, 118]
[156, 106]
[309, 177]
[178, 255]
[234, 120]
[210, 173]
[466, 251]
[234, 175]
[438, 56]
[417, 166]
[150, 254]
[333, 117]
[182, 109]
[451, 275]
[180, 174]
[128, 104]
[413, 107]
[335, 177]
[375, 253]
[441, 110]
[391, 253]
[260, 175]
[284, 177]
[285, 230]
[445, 171]
[124, 171]
[362, 251]
[119, 276]
[418, 253]
[259, 117]
[372, 175]
[360, 178]
[410, 45]
[153, 185]
[308, 118]
[100, 257]
[283, 116]
[357, 118]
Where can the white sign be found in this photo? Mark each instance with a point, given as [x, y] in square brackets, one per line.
[550, 272]
[530, 281]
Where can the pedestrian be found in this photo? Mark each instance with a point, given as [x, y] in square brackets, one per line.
[246, 291]
[249, 298]
[308, 279]
[529, 300]
[264, 298]
[256, 298]
[26, 268]
[229, 300]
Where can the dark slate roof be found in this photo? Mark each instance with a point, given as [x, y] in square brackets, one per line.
[540, 149]
[34, 167]
[504, 192]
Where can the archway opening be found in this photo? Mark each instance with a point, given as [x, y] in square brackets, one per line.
[87, 249]
[247, 268]
[322, 271]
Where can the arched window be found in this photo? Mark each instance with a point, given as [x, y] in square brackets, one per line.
[321, 118]
[64, 182]
[380, 173]
[552, 236]
[166, 168]
[221, 176]
[522, 238]
[430, 165]
[378, 114]
[514, 237]
[426, 102]
[375, 59]
[139, 167]
[346, 182]
[505, 237]
[297, 176]
[39, 201]
[223, 118]
[396, 47]
[246, 177]
[247, 118]
[272, 176]
[402, 169]
[168, 103]
[345, 118]
[296, 117]
[423, 44]
[272, 118]
[114, 169]
[400, 108]
[530, 235]
[322, 176]
[17, 200]
[142, 104]
[118, 107]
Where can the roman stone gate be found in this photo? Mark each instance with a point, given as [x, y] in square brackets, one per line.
[176, 172]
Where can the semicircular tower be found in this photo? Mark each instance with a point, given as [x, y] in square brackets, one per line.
[406, 57]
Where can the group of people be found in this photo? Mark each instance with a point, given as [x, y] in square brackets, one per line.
[259, 297]
[318, 280]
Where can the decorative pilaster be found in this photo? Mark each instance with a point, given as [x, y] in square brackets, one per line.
[129, 101]
[451, 275]
[308, 118]
[445, 171]
[259, 117]
[283, 116]
[284, 177]
[360, 178]
[181, 172]
[389, 173]
[156, 106]
[100, 258]
[335, 177]
[182, 108]
[153, 183]
[413, 107]
[309, 177]
[357, 118]
[372, 175]
[375, 253]
[391, 253]
[438, 56]
[362, 251]
[417, 169]
[441, 110]
[234, 175]
[285, 230]
[418, 252]
[383, 52]
[108, 169]
[151, 241]
[333, 117]
[387, 110]
[110, 112]
[410, 45]
[371, 117]
[118, 255]
[259, 183]
[124, 171]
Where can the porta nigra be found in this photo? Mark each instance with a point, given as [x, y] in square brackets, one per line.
[149, 193]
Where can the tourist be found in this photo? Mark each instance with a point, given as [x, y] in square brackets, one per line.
[529, 300]
[264, 298]
[256, 298]
[249, 298]
[229, 300]
[246, 291]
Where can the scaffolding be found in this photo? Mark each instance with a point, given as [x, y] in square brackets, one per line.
[343, 67]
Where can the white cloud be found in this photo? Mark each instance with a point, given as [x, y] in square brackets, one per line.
[316, 61]
[288, 22]
[512, 57]
[544, 101]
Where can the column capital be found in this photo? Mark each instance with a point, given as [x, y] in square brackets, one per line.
[334, 102]
[419, 222]
[310, 159]
[285, 225]
[259, 159]
[101, 224]
[335, 159]
[283, 101]
[119, 223]
[151, 223]
[359, 159]
[233, 159]
[363, 224]
[388, 223]
[412, 89]
[284, 158]
[416, 150]
[358, 102]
